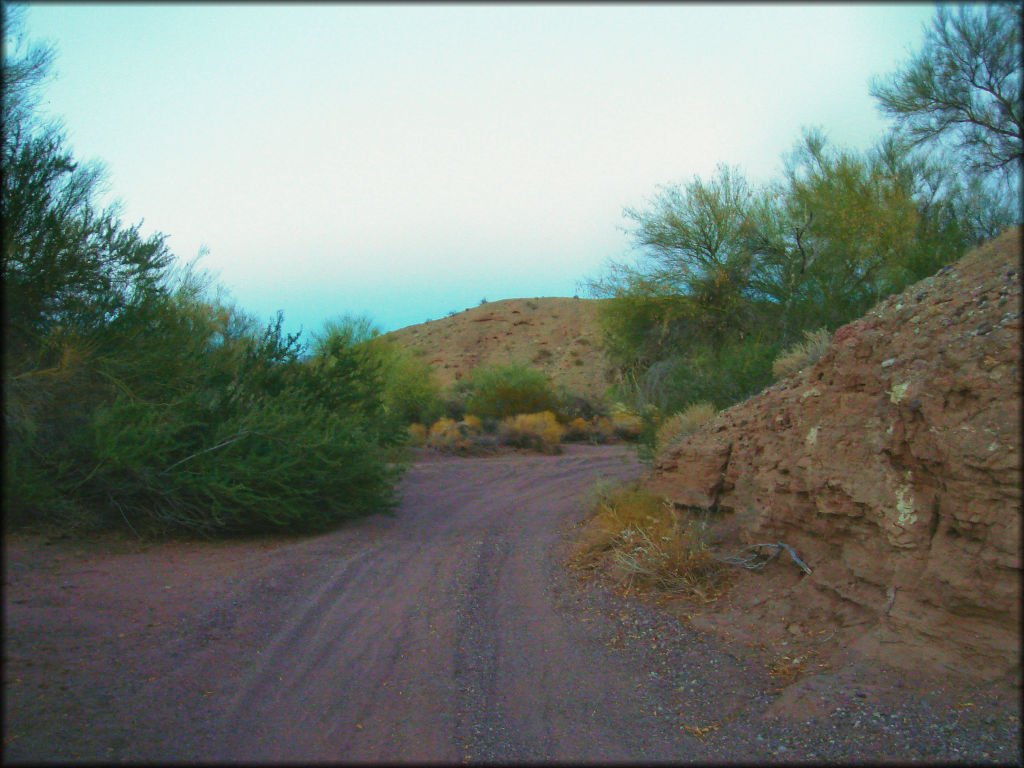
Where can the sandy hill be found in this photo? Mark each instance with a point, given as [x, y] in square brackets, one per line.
[892, 466]
[558, 336]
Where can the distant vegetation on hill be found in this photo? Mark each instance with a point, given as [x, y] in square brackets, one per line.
[560, 337]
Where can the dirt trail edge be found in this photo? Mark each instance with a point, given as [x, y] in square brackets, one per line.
[451, 632]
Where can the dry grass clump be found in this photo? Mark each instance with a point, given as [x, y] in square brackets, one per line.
[577, 430]
[536, 431]
[455, 436]
[642, 541]
[802, 354]
[598, 430]
[473, 423]
[683, 424]
[626, 424]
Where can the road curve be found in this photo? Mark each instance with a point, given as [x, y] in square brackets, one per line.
[450, 632]
[441, 638]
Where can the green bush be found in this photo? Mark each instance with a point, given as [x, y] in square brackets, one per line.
[722, 376]
[411, 393]
[500, 391]
[193, 418]
[134, 395]
[278, 467]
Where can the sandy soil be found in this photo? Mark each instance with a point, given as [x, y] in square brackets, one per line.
[450, 632]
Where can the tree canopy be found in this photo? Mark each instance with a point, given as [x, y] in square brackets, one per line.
[964, 86]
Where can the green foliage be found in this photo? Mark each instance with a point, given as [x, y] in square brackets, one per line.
[411, 393]
[275, 467]
[135, 396]
[205, 423]
[500, 391]
[835, 236]
[964, 87]
[733, 274]
[730, 274]
[389, 380]
[640, 327]
[65, 264]
[720, 375]
[346, 368]
[694, 238]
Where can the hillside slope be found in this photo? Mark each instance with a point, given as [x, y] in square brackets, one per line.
[559, 336]
[892, 466]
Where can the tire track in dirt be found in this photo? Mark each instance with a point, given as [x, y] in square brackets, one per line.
[449, 632]
[396, 657]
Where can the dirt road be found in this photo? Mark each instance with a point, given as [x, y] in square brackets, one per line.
[450, 632]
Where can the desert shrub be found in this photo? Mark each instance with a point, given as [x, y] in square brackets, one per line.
[640, 540]
[276, 467]
[601, 430]
[208, 425]
[534, 431]
[452, 401]
[684, 423]
[802, 354]
[597, 430]
[465, 436]
[473, 423]
[411, 392]
[577, 430]
[626, 423]
[417, 434]
[501, 391]
[444, 433]
[723, 375]
[572, 405]
[135, 395]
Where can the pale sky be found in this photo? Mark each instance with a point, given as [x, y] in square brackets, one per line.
[400, 161]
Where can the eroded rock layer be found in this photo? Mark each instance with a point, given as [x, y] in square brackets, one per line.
[893, 466]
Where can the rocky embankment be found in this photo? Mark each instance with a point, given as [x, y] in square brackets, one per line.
[892, 466]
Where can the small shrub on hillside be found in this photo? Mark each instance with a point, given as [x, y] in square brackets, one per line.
[682, 424]
[802, 354]
[642, 541]
[543, 355]
[501, 391]
[534, 431]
